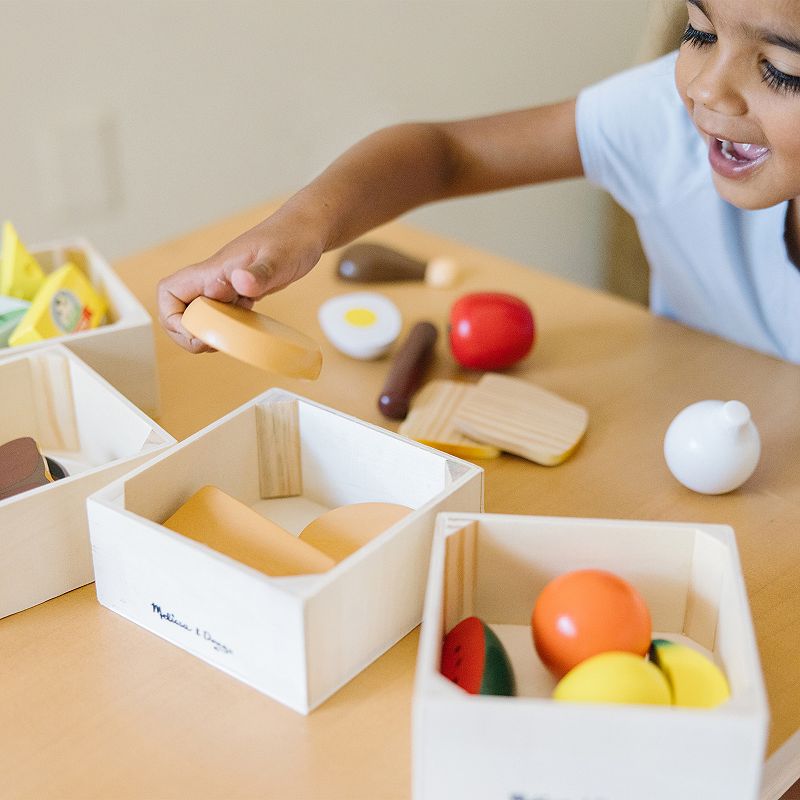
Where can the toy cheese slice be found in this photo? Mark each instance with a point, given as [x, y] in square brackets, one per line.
[253, 338]
[219, 521]
[66, 303]
[341, 531]
[20, 273]
[430, 421]
[521, 418]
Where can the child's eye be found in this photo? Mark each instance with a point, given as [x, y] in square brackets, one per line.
[780, 81]
[697, 38]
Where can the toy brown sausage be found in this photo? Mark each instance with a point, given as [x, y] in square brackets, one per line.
[407, 371]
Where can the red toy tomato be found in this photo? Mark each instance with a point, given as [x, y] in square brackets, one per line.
[490, 330]
[580, 614]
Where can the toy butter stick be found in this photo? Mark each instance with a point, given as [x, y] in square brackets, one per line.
[374, 263]
[407, 371]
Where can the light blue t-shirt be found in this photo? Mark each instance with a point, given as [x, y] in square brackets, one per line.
[713, 266]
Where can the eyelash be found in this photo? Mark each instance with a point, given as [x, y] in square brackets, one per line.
[772, 76]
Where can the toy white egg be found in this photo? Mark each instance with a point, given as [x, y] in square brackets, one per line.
[712, 447]
[361, 325]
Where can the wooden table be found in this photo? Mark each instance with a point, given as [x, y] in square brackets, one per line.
[92, 706]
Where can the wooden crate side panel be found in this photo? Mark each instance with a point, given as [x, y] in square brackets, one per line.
[210, 606]
[224, 455]
[279, 465]
[459, 575]
[19, 415]
[549, 750]
[125, 356]
[517, 556]
[347, 461]
[108, 426]
[44, 546]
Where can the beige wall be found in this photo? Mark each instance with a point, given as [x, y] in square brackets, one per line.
[134, 121]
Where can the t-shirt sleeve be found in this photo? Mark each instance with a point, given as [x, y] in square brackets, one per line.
[628, 126]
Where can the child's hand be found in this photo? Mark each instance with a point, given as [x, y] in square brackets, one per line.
[257, 263]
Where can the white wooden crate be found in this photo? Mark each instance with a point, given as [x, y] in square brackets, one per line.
[123, 349]
[530, 747]
[297, 638]
[87, 426]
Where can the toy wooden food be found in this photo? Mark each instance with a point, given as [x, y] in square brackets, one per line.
[221, 522]
[694, 680]
[22, 467]
[475, 659]
[254, 338]
[585, 612]
[520, 418]
[65, 303]
[12, 310]
[369, 263]
[614, 677]
[20, 273]
[341, 531]
[712, 447]
[361, 325]
[408, 370]
[430, 421]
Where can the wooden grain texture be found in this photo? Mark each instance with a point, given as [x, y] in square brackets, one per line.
[430, 421]
[279, 465]
[77, 679]
[521, 418]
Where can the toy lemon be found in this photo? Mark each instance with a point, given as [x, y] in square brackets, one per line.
[614, 677]
[66, 303]
[695, 680]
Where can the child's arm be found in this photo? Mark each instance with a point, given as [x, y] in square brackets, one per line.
[382, 176]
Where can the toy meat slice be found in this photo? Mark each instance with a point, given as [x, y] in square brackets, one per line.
[430, 421]
[22, 467]
[520, 418]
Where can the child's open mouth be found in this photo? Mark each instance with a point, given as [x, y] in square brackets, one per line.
[735, 159]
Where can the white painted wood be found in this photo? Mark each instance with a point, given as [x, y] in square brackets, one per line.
[122, 350]
[532, 747]
[782, 769]
[299, 638]
[96, 434]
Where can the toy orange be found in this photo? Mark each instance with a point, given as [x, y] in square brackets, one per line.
[585, 612]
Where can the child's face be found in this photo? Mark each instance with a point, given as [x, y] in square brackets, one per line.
[738, 73]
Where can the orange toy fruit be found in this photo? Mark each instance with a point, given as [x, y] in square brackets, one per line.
[589, 611]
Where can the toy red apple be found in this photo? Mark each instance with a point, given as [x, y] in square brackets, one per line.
[490, 330]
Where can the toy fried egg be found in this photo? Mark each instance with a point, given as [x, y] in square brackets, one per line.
[361, 325]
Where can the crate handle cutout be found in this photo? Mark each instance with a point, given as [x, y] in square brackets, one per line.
[459, 572]
[279, 462]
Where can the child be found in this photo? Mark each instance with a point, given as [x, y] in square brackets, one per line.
[702, 147]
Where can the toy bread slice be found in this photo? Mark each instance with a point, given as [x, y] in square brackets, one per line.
[341, 531]
[430, 421]
[22, 467]
[254, 338]
[521, 418]
[219, 521]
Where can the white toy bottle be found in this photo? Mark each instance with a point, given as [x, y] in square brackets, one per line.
[712, 447]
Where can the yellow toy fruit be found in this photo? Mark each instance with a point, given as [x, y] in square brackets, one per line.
[614, 677]
[694, 680]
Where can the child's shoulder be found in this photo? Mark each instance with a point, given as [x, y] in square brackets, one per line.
[636, 137]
